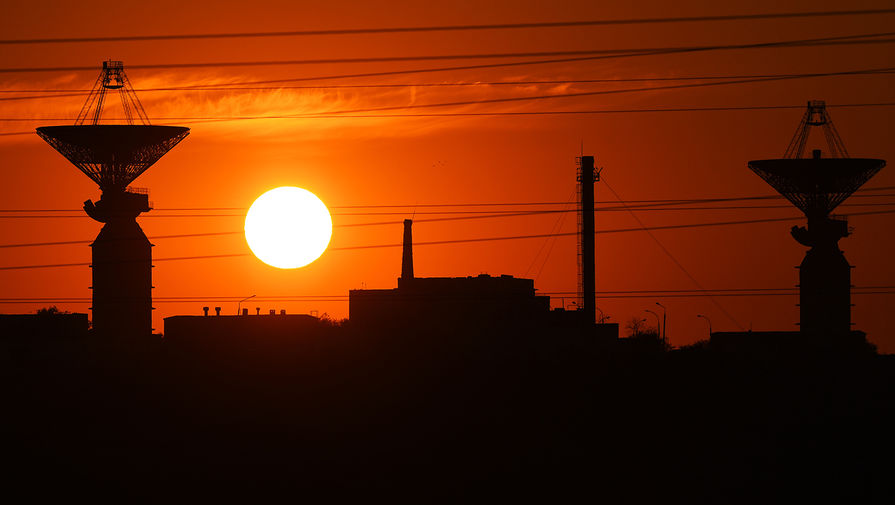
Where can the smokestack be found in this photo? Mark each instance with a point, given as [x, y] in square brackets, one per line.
[407, 259]
[587, 281]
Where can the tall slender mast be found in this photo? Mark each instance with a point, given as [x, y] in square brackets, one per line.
[587, 176]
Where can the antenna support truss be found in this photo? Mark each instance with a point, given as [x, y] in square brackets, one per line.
[816, 115]
[112, 77]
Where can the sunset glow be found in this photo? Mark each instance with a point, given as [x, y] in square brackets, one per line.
[430, 124]
[288, 227]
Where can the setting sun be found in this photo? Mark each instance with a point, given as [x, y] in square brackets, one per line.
[288, 227]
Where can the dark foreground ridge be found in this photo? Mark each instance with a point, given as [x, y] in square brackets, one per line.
[443, 416]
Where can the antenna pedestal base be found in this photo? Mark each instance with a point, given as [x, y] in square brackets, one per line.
[122, 270]
[825, 289]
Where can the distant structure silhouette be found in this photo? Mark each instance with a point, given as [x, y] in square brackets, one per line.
[407, 257]
[816, 185]
[587, 287]
[446, 301]
[46, 323]
[113, 156]
[210, 330]
[457, 302]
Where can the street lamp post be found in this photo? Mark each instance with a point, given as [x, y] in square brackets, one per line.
[602, 317]
[239, 305]
[708, 321]
[664, 323]
[658, 322]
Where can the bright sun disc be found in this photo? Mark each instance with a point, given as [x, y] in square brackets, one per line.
[288, 227]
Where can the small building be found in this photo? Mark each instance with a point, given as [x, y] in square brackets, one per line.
[195, 329]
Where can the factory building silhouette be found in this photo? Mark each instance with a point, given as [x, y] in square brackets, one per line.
[211, 329]
[445, 301]
[481, 301]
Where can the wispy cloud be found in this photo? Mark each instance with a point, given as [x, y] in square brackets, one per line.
[272, 113]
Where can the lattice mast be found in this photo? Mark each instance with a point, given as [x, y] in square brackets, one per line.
[112, 77]
[588, 175]
[816, 115]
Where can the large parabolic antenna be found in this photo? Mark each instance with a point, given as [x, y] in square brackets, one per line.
[817, 185]
[113, 156]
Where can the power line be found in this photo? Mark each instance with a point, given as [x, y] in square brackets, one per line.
[463, 215]
[651, 292]
[557, 225]
[868, 38]
[671, 256]
[484, 114]
[60, 93]
[442, 28]
[418, 71]
[345, 299]
[585, 93]
[859, 193]
[474, 240]
[518, 99]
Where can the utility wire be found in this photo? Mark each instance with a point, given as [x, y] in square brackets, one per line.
[533, 97]
[671, 256]
[463, 215]
[585, 93]
[651, 292]
[474, 240]
[483, 114]
[460, 215]
[859, 193]
[442, 28]
[581, 55]
[60, 93]
[345, 299]
[556, 227]
[410, 71]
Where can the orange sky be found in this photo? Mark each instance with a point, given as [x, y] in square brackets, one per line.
[426, 160]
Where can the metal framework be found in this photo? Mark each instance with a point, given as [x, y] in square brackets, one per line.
[113, 155]
[112, 77]
[816, 115]
[816, 186]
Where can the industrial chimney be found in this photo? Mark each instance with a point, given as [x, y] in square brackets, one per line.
[407, 258]
[587, 176]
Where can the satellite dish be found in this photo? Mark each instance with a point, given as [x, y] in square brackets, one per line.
[113, 156]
